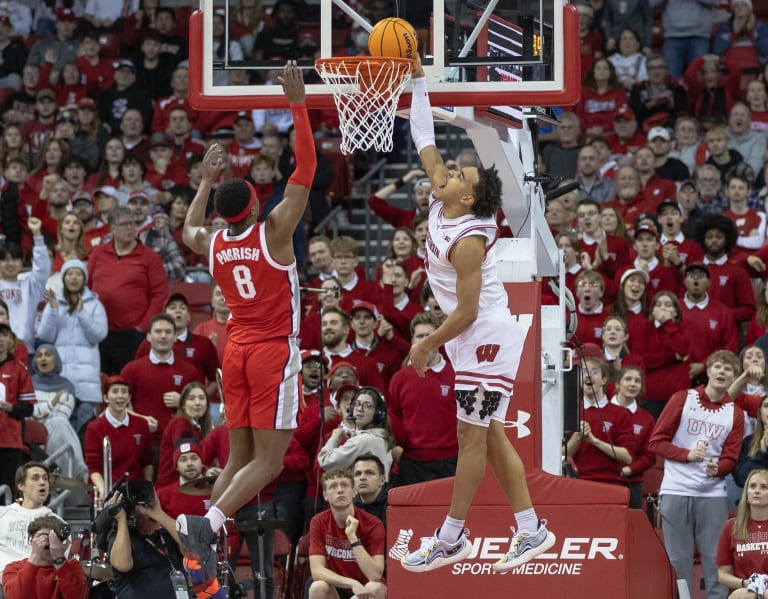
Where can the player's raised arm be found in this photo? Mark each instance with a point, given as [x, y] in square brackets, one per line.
[196, 235]
[423, 128]
[282, 221]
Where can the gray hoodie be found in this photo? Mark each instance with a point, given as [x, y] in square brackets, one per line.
[686, 18]
[334, 454]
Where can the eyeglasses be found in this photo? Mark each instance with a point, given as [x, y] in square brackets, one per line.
[366, 405]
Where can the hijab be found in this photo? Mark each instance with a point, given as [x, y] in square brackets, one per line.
[53, 381]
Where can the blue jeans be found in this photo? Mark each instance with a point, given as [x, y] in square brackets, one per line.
[682, 51]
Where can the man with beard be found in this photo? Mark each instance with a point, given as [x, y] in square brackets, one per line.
[655, 189]
[33, 486]
[630, 199]
[667, 167]
[660, 276]
[334, 333]
[717, 236]
[82, 207]
[188, 460]
[676, 249]
[605, 252]
[710, 324]
[592, 185]
[709, 183]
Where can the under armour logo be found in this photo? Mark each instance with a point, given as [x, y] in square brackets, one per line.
[400, 549]
[487, 353]
[522, 430]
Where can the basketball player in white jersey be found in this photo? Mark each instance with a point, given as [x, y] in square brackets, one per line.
[482, 340]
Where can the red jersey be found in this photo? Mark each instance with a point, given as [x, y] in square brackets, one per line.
[745, 556]
[214, 329]
[262, 295]
[240, 158]
[15, 387]
[131, 449]
[328, 539]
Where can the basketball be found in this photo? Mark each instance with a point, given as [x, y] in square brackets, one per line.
[393, 37]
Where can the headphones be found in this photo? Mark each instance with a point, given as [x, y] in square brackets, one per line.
[380, 411]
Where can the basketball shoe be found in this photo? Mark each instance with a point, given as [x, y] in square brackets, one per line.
[200, 560]
[434, 553]
[525, 546]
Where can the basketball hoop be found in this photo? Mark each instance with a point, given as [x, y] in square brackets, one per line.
[366, 91]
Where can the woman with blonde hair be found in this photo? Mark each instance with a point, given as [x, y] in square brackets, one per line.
[69, 242]
[741, 563]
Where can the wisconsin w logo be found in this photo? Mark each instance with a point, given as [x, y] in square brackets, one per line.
[487, 353]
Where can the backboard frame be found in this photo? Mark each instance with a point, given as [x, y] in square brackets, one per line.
[563, 90]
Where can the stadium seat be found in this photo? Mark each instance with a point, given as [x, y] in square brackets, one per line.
[301, 571]
[34, 435]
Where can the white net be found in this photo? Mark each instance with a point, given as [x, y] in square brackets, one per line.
[366, 91]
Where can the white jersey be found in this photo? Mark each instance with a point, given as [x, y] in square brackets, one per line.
[487, 353]
[14, 540]
[441, 238]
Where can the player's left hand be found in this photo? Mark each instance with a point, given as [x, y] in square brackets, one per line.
[213, 163]
[418, 357]
[292, 81]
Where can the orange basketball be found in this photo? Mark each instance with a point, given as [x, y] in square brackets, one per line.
[393, 37]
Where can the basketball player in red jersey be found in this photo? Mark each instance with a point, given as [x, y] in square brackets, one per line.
[254, 265]
[483, 341]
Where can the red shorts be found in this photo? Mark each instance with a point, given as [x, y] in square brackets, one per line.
[261, 383]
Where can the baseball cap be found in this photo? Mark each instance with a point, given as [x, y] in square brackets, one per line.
[243, 114]
[688, 183]
[159, 138]
[313, 354]
[138, 194]
[338, 365]
[658, 132]
[125, 63]
[634, 271]
[114, 380]
[45, 93]
[668, 202]
[624, 112]
[83, 196]
[186, 446]
[341, 391]
[646, 228]
[86, 103]
[697, 266]
[364, 306]
[107, 190]
[64, 14]
[588, 350]
[177, 297]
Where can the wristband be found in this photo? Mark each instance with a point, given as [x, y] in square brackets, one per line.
[357, 543]
[398, 183]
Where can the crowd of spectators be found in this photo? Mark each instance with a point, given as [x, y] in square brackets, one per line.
[664, 242]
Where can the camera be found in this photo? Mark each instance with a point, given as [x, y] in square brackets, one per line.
[136, 492]
[62, 530]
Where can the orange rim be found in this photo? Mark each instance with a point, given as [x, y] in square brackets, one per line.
[367, 69]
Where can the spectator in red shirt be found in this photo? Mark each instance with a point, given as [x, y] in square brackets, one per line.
[177, 99]
[364, 322]
[717, 236]
[183, 146]
[187, 466]
[605, 252]
[244, 146]
[396, 307]
[590, 311]
[192, 421]
[345, 252]
[402, 217]
[627, 139]
[128, 435]
[131, 283]
[334, 334]
[98, 73]
[38, 131]
[157, 380]
[630, 384]
[422, 413]
[750, 223]
[216, 327]
[109, 169]
[601, 96]
[660, 276]
[604, 442]
[346, 544]
[676, 249]
[630, 199]
[321, 259]
[17, 403]
[655, 188]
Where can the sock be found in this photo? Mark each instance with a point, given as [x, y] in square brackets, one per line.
[216, 517]
[451, 530]
[527, 521]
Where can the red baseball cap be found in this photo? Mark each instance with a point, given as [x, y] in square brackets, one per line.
[364, 306]
[624, 112]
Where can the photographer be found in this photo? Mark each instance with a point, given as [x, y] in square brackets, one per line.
[46, 573]
[143, 547]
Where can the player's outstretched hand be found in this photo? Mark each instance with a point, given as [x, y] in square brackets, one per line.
[418, 70]
[292, 81]
[213, 163]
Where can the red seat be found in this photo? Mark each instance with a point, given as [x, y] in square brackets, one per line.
[34, 435]
[301, 571]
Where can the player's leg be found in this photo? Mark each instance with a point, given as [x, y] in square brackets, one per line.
[240, 453]
[531, 537]
[449, 543]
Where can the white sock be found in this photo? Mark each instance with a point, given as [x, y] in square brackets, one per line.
[451, 530]
[527, 521]
[216, 517]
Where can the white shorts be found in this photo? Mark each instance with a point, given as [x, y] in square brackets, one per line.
[486, 357]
